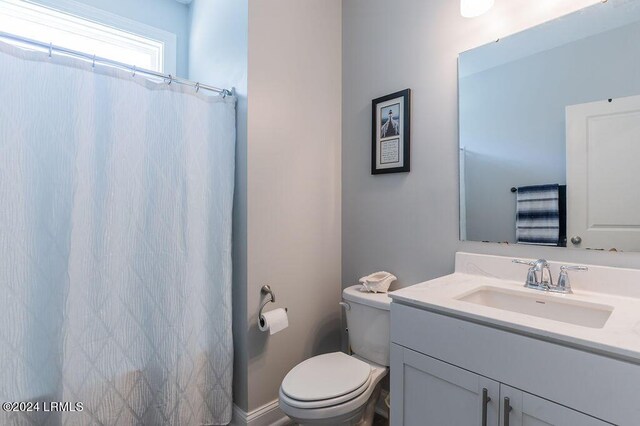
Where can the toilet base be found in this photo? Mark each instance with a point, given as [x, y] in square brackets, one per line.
[361, 417]
[369, 411]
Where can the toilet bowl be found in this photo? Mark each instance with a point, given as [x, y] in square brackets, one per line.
[341, 389]
[333, 388]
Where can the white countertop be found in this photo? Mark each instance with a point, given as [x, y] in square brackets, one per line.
[619, 337]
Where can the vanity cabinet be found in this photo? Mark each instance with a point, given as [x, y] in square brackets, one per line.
[436, 393]
[433, 392]
[448, 371]
[524, 409]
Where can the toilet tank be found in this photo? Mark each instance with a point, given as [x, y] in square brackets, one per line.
[368, 322]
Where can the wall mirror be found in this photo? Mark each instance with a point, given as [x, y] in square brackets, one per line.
[550, 133]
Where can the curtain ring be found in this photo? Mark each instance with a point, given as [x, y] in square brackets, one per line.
[50, 48]
[170, 80]
[197, 87]
[224, 93]
[134, 71]
[93, 63]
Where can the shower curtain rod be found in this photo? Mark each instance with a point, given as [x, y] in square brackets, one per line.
[97, 59]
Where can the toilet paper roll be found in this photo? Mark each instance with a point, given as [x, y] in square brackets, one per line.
[274, 321]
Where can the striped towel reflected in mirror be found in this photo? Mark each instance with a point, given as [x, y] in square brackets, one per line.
[538, 215]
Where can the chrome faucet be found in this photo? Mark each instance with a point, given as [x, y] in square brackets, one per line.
[539, 276]
[564, 285]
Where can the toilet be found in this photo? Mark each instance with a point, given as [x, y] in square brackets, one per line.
[341, 389]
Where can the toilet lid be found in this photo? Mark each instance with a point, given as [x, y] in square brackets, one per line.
[326, 376]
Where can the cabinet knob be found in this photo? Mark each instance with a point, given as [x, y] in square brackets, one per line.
[576, 240]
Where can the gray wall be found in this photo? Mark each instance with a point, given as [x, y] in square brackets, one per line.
[218, 52]
[287, 202]
[408, 223]
[512, 120]
[405, 223]
[293, 187]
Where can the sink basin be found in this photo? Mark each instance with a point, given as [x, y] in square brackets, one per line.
[575, 312]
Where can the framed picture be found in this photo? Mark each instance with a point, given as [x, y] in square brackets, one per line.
[390, 133]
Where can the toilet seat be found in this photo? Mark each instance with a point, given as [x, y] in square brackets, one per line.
[338, 412]
[326, 380]
[323, 403]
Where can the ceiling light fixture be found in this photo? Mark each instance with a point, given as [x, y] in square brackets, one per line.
[473, 8]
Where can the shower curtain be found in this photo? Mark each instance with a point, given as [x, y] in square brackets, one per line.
[115, 246]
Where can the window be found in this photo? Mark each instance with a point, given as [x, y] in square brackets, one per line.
[121, 40]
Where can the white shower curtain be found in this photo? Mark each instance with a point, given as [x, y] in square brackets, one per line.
[115, 245]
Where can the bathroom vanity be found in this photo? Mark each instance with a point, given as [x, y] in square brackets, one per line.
[548, 131]
[478, 348]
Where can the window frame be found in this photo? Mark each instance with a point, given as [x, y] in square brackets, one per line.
[101, 17]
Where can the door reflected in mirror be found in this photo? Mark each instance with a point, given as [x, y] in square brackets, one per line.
[550, 133]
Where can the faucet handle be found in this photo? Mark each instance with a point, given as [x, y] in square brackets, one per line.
[532, 279]
[524, 262]
[565, 268]
[564, 284]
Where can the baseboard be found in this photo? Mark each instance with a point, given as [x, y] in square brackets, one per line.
[271, 415]
[267, 415]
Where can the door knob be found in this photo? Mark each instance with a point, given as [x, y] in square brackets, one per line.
[576, 240]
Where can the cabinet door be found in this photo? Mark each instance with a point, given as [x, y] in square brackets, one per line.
[428, 392]
[519, 408]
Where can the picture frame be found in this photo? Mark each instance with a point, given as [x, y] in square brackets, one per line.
[391, 133]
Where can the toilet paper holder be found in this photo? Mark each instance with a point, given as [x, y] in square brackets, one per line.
[266, 291]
